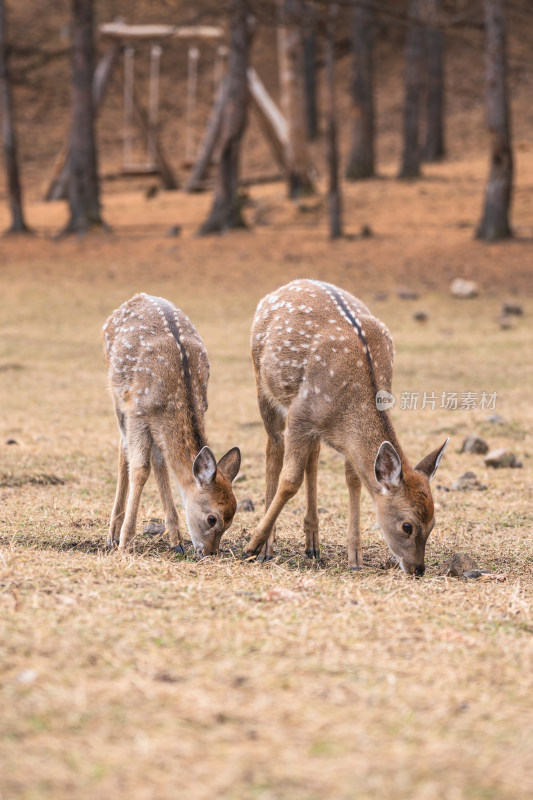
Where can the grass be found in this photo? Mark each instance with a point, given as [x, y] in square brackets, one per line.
[150, 675]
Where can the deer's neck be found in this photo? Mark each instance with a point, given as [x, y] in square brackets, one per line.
[187, 442]
[365, 433]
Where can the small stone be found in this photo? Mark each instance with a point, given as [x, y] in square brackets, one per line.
[406, 294]
[468, 481]
[154, 528]
[464, 289]
[246, 504]
[512, 309]
[174, 230]
[475, 573]
[11, 441]
[458, 564]
[501, 459]
[390, 563]
[420, 316]
[496, 419]
[27, 676]
[505, 322]
[475, 444]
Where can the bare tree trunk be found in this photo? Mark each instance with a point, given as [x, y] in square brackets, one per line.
[18, 224]
[335, 200]
[434, 149]
[361, 163]
[494, 224]
[58, 189]
[226, 210]
[293, 95]
[84, 187]
[311, 110]
[410, 167]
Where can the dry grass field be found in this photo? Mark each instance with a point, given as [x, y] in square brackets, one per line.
[156, 676]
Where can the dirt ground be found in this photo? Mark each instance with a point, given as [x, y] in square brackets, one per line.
[151, 675]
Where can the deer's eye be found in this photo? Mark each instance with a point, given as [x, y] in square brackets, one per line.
[211, 520]
[407, 528]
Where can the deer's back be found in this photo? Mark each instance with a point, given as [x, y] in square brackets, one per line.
[156, 358]
[319, 343]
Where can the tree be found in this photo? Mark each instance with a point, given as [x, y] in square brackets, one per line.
[494, 224]
[291, 68]
[18, 223]
[84, 185]
[361, 162]
[410, 167]
[335, 201]
[226, 210]
[310, 83]
[434, 147]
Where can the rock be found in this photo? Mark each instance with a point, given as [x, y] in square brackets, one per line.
[505, 322]
[174, 230]
[501, 459]
[475, 444]
[458, 564]
[496, 419]
[246, 504]
[466, 482]
[420, 316]
[11, 441]
[464, 289]
[512, 309]
[154, 527]
[406, 294]
[475, 573]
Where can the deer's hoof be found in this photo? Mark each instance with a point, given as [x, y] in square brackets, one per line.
[265, 557]
[111, 543]
[178, 548]
[312, 553]
[247, 556]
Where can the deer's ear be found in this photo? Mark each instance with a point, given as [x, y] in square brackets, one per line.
[204, 468]
[388, 467]
[429, 465]
[230, 463]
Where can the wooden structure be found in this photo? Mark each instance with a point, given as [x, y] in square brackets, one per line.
[121, 39]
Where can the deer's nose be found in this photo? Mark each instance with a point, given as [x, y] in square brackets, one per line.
[419, 571]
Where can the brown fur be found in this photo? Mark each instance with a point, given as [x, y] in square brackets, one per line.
[320, 357]
[158, 374]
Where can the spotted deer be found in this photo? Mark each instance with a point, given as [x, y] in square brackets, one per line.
[158, 374]
[320, 360]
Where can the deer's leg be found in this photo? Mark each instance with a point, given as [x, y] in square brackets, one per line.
[355, 553]
[274, 424]
[312, 542]
[139, 444]
[172, 524]
[117, 515]
[297, 449]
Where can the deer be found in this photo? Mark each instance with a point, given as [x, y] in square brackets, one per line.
[158, 374]
[323, 368]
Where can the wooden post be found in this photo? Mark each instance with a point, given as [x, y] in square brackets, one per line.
[127, 146]
[153, 104]
[272, 122]
[221, 66]
[190, 113]
[334, 193]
